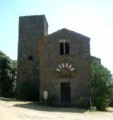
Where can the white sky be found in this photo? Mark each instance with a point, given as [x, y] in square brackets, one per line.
[93, 18]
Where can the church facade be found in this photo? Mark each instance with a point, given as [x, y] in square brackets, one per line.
[58, 63]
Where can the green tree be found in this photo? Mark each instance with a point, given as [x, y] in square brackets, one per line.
[27, 90]
[7, 76]
[101, 85]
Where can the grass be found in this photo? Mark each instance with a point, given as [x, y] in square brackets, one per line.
[109, 109]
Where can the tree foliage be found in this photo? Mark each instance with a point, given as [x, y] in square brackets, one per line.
[7, 76]
[27, 90]
[101, 86]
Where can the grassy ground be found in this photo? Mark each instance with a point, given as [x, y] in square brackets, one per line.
[10, 109]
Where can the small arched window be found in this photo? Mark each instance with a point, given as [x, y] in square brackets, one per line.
[61, 48]
[30, 57]
[64, 48]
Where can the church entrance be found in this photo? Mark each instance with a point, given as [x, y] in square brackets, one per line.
[65, 93]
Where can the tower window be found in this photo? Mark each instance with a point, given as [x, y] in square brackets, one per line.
[64, 48]
[30, 57]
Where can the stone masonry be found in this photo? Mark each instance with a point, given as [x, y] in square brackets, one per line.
[31, 29]
[79, 58]
[66, 77]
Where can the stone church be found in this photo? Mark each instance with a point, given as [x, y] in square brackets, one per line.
[58, 63]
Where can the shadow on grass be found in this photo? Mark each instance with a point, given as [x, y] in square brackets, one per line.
[7, 99]
[36, 106]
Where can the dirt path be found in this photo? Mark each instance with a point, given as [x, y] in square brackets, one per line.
[15, 110]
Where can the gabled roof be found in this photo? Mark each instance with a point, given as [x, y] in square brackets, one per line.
[67, 32]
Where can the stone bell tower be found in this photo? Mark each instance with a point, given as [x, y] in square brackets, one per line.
[31, 29]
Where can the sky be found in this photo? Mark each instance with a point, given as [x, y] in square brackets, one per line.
[92, 18]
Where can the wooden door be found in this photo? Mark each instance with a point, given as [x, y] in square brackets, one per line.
[65, 93]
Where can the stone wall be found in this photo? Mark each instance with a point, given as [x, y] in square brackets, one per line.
[79, 58]
[31, 29]
[39, 60]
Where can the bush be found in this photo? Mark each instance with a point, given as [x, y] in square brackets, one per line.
[27, 91]
[81, 102]
[52, 100]
[101, 102]
[101, 86]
